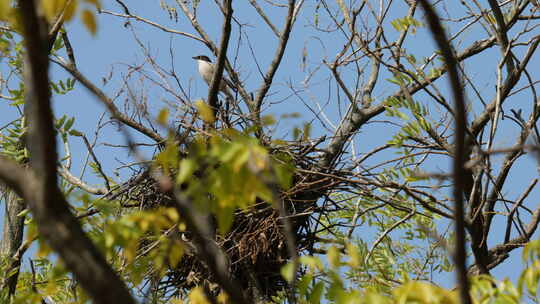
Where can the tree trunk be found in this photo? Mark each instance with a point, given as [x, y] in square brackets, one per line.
[12, 237]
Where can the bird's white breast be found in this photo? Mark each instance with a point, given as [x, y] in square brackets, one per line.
[206, 70]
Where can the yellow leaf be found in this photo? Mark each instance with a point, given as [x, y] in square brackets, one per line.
[51, 8]
[144, 224]
[197, 296]
[421, 292]
[172, 213]
[182, 227]
[5, 10]
[168, 158]
[43, 249]
[313, 263]
[163, 116]
[51, 289]
[258, 159]
[109, 239]
[130, 251]
[223, 298]
[333, 256]
[241, 157]
[176, 253]
[69, 11]
[89, 21]
[375, 298]
[352, 250]
[232, 133]
[32, 231]
[207, 114]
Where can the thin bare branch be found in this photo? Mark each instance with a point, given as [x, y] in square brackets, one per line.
[109, 103]
[272, 69]
[502, 37]
[72, 179]
[459, 173]
[156, 25]
[264, 17]
[222, 55]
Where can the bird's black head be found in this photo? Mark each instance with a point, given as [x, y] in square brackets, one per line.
[202, 57]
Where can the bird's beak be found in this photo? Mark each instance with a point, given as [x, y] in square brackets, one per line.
[194, 57]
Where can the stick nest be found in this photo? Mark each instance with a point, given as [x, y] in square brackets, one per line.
[256, 246]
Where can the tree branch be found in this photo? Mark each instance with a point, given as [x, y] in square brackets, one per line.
[356, 116]
[264, 17]
[459, 173]
[234, 76]
[479, 123]
[220, 64]
[502, 38]
[64, 172]
[39, 187]
[115, 112]
[215, 260]
[268, 78]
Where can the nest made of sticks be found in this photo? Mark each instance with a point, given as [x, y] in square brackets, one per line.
[256, 245]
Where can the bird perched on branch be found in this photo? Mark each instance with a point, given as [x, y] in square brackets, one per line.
[206, 70]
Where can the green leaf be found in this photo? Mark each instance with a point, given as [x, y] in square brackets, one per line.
[225, 218]
[55, 88]
[284, 175]
[306, 131]
[62, 85]
[303, 283]
[60, 122]
[23, 213]
[268, 120]
[316, 293]
[69, 124]
[205, 111]
[287, 272]
[186, 168]
[175, 254]
[74, 132]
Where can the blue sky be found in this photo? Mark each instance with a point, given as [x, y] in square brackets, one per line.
[114, 47]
